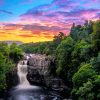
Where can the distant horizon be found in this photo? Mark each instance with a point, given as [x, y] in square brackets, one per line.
[22, 41]
[38, 21]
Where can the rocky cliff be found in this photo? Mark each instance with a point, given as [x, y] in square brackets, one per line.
[41, 71]
[39, 68]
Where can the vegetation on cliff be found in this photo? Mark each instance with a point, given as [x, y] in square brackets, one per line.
[77, 59]
[9, 55]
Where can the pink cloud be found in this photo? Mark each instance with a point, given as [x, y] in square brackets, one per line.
[61, 14]
[94, 0]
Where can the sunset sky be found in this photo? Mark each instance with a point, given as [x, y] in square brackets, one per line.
[40, 20]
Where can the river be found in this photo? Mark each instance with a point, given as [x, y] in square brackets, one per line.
[25, 91]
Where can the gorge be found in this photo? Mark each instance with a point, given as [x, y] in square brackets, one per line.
[33, 70]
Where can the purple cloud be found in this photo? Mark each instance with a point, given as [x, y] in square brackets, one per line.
[60, 14]
[35, 27]
[5, 11]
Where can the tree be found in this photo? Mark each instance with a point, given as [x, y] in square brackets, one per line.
[5, 66]
[83, 83]
[96, 84]
[63, 52]
[96, 36]
[58, 38]
[96, 63]
[79, 32]
[83, 74]
[4, 48]
[15, 52]
[85, 92]
[82, 51]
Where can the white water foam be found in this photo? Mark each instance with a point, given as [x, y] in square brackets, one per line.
[22, 74]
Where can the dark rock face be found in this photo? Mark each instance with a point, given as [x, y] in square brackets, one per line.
[12, 79]
[38, 68]
[41, 71]
[34, 77]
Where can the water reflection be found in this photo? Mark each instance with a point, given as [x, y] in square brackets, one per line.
[31, 94]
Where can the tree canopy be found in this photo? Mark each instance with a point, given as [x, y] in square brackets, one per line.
[77, 58]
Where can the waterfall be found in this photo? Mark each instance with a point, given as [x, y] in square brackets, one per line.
[22, 73]
[25, 91]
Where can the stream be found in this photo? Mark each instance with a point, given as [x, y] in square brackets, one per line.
[25, 91]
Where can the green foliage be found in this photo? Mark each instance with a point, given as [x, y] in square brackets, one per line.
[4, 48]
[2, 70]
[86, 83]
[77, 58]
[79, 32]
[85, 92]
[96, 63]
[87, 73]
[15, 52]
[44, 47]
[35, 47]
[6, 61]
[96, 36]
[63, 55]
[84, 73]
[82, 51]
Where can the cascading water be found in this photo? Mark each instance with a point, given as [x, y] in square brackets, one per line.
[25, 91]
[22, 74]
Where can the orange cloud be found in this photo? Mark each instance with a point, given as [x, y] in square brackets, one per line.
[16, 32]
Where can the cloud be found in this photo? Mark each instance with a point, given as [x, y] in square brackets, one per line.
[49, 19]
[10, 26]
[33, 12]
[7, 12]
[42, 28]
[59, 9]
[58, 16]
[95, 0]
[30, 30]
[25, 35]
